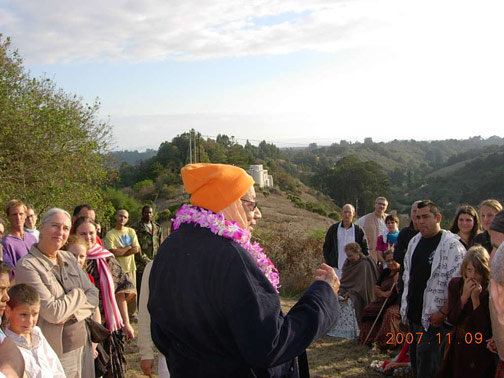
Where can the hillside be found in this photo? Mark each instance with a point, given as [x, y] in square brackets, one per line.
[323, 178]
[277, 209]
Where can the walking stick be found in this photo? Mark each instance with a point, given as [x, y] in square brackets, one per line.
[378, 316]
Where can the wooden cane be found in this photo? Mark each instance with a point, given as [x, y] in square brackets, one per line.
[378, 316]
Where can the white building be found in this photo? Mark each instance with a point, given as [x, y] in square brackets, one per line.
[261, 176]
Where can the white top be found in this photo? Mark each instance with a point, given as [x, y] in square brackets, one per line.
[446, 264]
[345, 236]
[145, 343]
[40, 359]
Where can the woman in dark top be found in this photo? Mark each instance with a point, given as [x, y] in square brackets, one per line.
[487, 210]
[466, 224]
[386, 287]
[468, 312]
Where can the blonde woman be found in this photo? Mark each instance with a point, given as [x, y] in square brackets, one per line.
[487, 210]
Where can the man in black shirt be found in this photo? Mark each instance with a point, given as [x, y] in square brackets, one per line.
[403, 240]
[433, 258]
[406, 235]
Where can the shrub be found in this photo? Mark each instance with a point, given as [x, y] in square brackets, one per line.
[297, 257]
[316, 207]
[317, 234]
[119, 199]
[334, 215]
[165, 215]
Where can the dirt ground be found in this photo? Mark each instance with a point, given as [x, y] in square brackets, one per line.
[328, 356]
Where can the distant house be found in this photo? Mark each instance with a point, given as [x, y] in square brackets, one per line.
[261, 176]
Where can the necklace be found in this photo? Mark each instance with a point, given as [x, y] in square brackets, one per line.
[229, 230]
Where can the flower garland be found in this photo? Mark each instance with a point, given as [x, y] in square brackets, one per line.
[229, 230]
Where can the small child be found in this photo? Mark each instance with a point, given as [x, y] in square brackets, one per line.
[22, 312]
[79, 248]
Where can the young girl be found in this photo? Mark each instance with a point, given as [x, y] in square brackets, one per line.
[388, 240]
[468, 311]
[79, 248]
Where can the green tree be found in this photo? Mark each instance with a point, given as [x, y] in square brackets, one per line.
[52, 145]
[354, 181]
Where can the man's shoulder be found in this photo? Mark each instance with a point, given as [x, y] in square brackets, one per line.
[10, 240]
[415, 239]
[111, 233]
[450, 241]
[29, 237]
[361, 220]
[448, 237]
[137, 224]
[114, 232]
[129, 230]
[334, 226]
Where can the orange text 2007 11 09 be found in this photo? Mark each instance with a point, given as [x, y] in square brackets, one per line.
[410, 338]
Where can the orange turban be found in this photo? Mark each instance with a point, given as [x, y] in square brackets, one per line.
[215, 186]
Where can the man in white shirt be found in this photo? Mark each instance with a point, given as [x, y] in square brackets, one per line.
[339, 235]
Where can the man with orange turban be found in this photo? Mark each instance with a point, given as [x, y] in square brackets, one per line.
[214, 304]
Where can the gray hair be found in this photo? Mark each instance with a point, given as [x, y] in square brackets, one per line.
[55, 210]
[497, 268]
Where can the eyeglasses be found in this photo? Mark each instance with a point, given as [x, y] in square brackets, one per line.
[253, 202]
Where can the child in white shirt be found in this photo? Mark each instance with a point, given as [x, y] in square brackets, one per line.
[22, 312]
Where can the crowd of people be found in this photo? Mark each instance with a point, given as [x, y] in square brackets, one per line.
[67, 301]
[207, 297]
[432, 298]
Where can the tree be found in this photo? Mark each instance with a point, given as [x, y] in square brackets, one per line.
[354, 181]
[52, 145]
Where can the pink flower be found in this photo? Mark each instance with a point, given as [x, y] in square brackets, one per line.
[229, 230]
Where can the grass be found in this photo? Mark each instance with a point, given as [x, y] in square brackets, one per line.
[328, 356]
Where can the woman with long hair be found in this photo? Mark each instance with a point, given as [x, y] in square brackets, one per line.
[469, 313]
[466, 224]
[115, 290]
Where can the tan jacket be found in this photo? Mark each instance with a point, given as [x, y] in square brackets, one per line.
[56, 307]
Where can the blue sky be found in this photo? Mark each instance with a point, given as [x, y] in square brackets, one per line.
[291, 72]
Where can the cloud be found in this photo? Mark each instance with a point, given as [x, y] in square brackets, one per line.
[157, 30]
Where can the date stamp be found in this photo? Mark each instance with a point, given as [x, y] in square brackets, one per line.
[410, 338]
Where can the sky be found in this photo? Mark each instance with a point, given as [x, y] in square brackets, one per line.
[290, 72]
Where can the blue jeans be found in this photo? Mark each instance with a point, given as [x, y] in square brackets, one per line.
[427, 354]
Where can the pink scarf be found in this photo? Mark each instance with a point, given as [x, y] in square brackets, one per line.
[113, 317]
